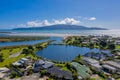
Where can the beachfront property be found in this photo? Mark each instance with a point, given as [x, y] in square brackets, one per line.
[4, 72]
[92, 62]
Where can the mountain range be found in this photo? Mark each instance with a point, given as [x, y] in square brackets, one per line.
[61, 27]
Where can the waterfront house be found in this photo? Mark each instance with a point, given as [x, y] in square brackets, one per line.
[109, 69]
[92, 62]
[48, 65]
[97, 56]
[25, 61]
[60, 73]
[113, 64]
[41, 64]
[21, 62]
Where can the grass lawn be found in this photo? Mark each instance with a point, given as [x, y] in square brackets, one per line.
[7, 52]
[63, 67]
[117, 46]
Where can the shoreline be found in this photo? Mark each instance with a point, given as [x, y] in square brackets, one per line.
[58, 34]
[44, 34]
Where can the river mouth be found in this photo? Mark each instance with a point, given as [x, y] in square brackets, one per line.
[63, 52]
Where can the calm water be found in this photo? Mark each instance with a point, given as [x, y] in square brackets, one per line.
[32, 42]
[63, 52]
[58, 52]
[78, 32]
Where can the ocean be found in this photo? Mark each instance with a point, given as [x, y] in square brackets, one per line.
[115, 33]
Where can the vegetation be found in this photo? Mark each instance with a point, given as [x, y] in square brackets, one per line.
[5, 53]
[83, 41]
[19, 38]
[1, 58]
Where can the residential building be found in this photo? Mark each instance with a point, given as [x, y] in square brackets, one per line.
[60, 73]
[92, 62]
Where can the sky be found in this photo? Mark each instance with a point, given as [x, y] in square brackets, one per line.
[36, 13]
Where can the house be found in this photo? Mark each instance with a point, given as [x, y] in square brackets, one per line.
[21, 62]
[60, 73]
[97, 56]
[24, 61]
[117, 42]
[92, 62]
[4, 72]
[17, 63]
[41, 64]
[94, 40]
[34, 76]
[109, 69]
[48, 65]
[113, 64]
[107, 53]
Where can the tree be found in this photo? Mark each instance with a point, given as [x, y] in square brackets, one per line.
[27, 51]
[103, 44]
[91, 45]
[111, 46]
[30, 47]
[1, 57]
[13, 74]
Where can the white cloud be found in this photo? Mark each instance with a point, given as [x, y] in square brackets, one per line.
[92, 18]
[70, 21]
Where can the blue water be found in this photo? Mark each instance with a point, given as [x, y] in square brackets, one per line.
[3, 44]
[63, 52]
[58, 52]
[81, 32]
[32, 42]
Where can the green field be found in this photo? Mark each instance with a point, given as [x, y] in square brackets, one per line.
[13, 50]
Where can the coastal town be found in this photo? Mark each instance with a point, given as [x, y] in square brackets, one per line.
[59, 39]
[104, 65]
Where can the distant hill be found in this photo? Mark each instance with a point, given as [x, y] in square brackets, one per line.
[61, 27]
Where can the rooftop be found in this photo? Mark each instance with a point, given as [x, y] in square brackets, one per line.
[4, 69]
[113, 63]
[48, 64]
[90, 60]
[24, 59]
[109, 67]
[60, 73]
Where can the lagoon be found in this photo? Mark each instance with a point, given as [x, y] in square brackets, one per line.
[63, 52]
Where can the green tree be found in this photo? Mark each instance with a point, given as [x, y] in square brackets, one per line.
[111, 46]
[1, 57]
[30, 47]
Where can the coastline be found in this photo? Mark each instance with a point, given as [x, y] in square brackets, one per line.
[44, 34]
[58, 34]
